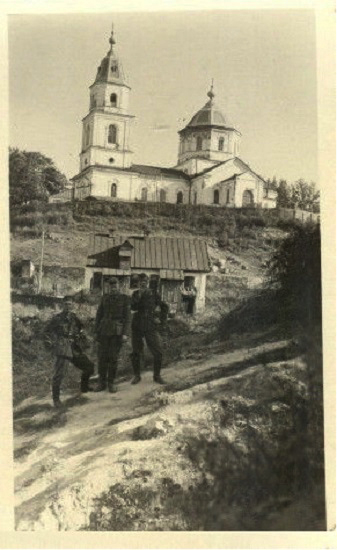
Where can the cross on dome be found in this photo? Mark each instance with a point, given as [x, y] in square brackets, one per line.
[211, 94]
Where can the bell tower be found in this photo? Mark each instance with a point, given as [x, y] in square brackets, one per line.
[106, 127]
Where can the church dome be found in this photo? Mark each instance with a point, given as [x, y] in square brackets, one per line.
[209, 115]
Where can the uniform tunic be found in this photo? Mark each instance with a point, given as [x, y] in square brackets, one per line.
[145, 323]
[64, 335]
[112, 323]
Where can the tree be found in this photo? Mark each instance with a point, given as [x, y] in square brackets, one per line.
[32, 176]
[295, 270]
[305, 196]
[300, 194]
[283, 194]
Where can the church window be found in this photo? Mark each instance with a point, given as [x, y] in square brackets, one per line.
[112, 136]
[180, 197]
[195, 197]
[114, 190]
[221, 144]
[199, 143]
[216, 196]
[227, 199]
[87, 137]
[162, 195]
[111, 160]
[143, 194]
[114, 68]
[113, 100]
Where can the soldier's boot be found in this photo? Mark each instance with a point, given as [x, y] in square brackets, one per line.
[136, 368]
[85, 388]
[101, 387]
[156, 370]
[112, 388]
[56, 397]
[158, 379]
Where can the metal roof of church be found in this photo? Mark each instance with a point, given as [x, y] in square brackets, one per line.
[189, 254]
[158, 171]
[208, 115]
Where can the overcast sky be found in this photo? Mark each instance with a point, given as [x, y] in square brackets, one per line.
[263, 63]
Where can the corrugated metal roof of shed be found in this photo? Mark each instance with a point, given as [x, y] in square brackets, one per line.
[189, 254]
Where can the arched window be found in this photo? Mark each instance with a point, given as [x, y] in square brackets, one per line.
[162, 195]
[247, 198]
[221, 144]
[227, 200]
[113, 190]
[195, 197]
[180, 197]
[143, 194]
[216, 196]
[199, 143]
[87, 135]
[112, 136]
[113, 100]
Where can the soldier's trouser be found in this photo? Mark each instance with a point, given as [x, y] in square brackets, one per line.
[154, 344]
[109, 350]
[80, 361]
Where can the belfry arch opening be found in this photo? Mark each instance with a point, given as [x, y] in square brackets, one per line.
[112, 134]
[113, 100]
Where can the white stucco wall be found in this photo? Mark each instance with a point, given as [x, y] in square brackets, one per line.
[249, 182]
[200, 284]
[101, 93]
[199, 281]
[204, 185]
[130, 185]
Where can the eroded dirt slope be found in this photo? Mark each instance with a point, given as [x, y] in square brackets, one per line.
[190, 455]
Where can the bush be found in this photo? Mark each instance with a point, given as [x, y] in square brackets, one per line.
[257, 221]
[207, 219]
[32, 219]
[288, 225]
[295, 271]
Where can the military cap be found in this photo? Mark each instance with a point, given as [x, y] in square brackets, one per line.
[113, 281]
[143, 277]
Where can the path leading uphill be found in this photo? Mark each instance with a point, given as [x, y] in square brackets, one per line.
[134, 459]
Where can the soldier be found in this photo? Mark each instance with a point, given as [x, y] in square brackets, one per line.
[189, 294]
[112, 326]
[65, 336]
[145, 324]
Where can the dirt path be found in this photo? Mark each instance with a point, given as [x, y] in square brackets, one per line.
[64, 461]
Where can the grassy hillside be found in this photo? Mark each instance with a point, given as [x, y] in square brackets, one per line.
[67, 227]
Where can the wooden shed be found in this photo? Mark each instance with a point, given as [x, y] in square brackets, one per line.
[168, 261]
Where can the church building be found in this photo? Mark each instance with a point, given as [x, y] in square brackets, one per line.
[209, 170]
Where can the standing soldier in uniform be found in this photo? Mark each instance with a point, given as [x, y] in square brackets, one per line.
[64, 335]
[112, 326]
[145, 324]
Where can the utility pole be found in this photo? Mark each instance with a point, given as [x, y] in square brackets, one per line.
[41, 264]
